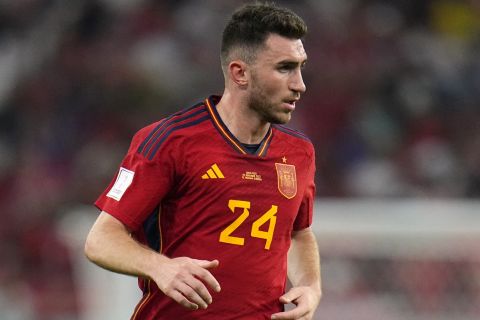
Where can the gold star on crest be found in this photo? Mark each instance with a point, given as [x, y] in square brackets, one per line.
[284, 159]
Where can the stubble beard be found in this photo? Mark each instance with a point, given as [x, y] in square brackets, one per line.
[259, 103]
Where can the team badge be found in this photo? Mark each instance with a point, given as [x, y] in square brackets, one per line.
[287, 180]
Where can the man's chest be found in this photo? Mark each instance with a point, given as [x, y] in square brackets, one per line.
[279, 178]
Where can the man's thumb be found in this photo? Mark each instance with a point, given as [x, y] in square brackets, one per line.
[289, 297]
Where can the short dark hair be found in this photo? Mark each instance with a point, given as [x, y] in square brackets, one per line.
[250, 25]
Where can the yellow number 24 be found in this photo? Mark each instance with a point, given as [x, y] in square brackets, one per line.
[256, 232]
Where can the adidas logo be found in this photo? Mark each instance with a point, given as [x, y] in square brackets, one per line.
[213, 173]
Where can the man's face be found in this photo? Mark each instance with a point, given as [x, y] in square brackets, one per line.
[276, 81]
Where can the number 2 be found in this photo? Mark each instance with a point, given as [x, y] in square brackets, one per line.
[256, 232]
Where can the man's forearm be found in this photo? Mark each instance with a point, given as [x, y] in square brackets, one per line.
[304, 261]
[183, 279]
[110, 246]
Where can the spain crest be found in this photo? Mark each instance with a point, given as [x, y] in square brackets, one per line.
[287, 180]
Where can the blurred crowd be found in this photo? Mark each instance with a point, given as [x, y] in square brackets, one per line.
[392, 106]
[393, 289]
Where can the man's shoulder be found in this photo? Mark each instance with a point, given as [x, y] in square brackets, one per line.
[152, 137]
[178, 120]
[291, 135]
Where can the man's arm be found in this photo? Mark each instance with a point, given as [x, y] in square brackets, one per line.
[304, 275]
[110, 246]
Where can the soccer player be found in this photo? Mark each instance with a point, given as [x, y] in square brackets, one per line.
[212, 206]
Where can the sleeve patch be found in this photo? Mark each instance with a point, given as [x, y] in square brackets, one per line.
[124, 180]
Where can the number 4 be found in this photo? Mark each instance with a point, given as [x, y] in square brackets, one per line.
[256, 232]
[267, 235]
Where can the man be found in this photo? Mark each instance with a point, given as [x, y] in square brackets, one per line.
[211, 204]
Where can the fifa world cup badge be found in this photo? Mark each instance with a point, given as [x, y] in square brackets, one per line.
[287, 180]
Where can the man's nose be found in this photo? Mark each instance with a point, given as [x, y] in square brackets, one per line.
[297, 84]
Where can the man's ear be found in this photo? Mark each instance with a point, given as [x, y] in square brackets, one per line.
[237, 71]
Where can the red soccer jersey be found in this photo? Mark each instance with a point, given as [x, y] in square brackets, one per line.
[187, 187]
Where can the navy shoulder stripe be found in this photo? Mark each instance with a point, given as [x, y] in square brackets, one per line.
[162, 123]
[172, 129]
[292, 132]
[166, 126]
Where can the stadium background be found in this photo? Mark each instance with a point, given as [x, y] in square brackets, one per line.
[392, 105]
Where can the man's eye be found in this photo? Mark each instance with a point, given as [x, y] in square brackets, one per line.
[284, 68]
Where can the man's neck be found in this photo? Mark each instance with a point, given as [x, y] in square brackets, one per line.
[244, 123]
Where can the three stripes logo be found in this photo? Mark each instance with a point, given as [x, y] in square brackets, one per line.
[213, 173]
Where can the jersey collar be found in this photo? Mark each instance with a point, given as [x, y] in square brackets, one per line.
[211, 103]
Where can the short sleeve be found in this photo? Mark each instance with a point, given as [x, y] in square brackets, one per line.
[140, 183]
[305, 213]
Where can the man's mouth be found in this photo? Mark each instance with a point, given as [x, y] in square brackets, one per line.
[290, 103]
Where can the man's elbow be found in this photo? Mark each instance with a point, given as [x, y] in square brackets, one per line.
[97, 239]
[91, 248]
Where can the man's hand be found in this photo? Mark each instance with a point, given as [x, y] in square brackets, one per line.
[306, 300]
[185, 280]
